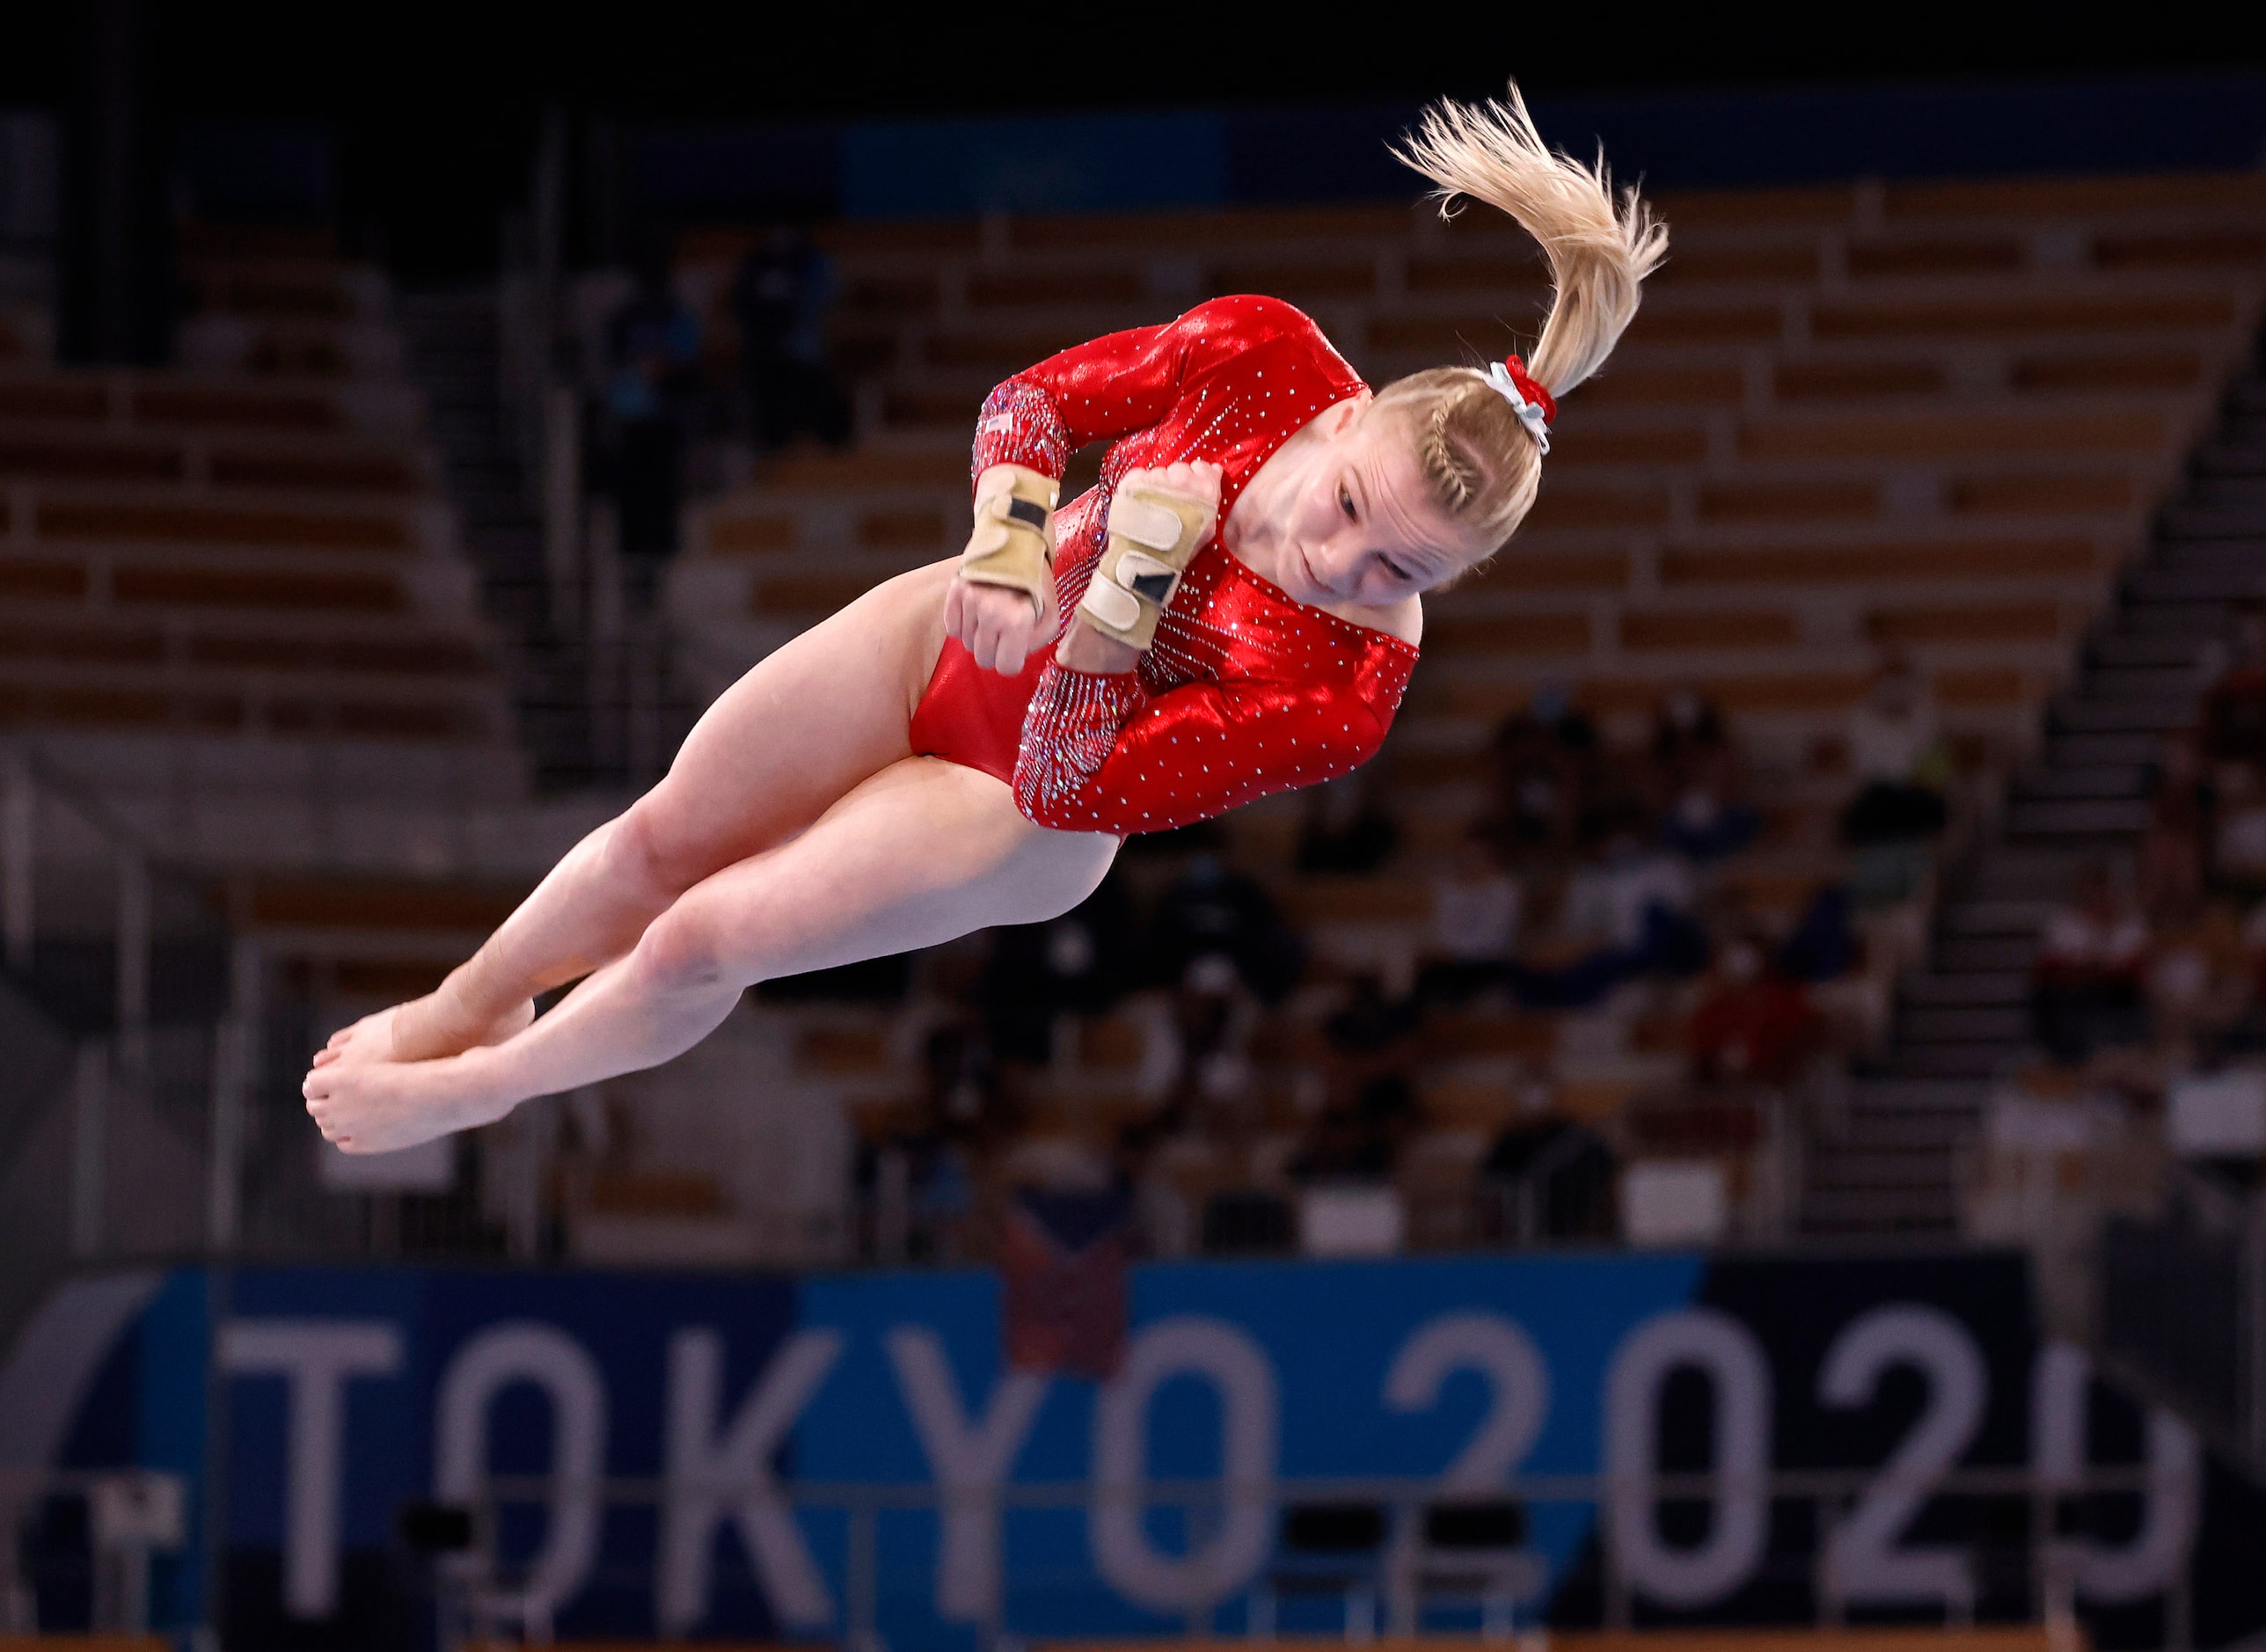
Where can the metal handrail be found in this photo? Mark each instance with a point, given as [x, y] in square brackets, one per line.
[2053, 1570]
[472, 1584]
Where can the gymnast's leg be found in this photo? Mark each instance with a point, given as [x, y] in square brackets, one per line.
[782, 744]
[919, 853]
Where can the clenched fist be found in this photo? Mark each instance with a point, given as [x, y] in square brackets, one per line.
[996, 624]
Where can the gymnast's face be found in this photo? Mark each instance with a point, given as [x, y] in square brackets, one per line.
[1362, 526]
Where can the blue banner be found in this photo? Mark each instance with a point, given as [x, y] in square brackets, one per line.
[751, 1457]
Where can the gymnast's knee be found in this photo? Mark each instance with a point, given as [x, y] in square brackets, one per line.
[687, 952]
[639, 852]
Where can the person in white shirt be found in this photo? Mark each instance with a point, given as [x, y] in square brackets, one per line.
[1902, 765]
[2086, 978]
[1477, 909]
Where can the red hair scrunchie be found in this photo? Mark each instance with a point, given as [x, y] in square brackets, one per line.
[1532, 389]
[1535, 406]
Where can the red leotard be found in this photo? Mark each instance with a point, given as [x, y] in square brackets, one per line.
[1245, 691]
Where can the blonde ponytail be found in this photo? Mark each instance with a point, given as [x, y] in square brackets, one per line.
[1600, 249]
[1482, 466]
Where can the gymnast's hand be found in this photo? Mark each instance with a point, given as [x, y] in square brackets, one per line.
[997, 624]
[1092, 644]
[1196, 478]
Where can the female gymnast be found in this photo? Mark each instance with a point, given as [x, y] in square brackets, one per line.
[950, 752]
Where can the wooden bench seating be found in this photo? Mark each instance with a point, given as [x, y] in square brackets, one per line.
[1939, 435]
[257, 588]
[153, 399]
[1931, 415]
[199, 563]
[40, 453]
[116, 519]
[1890, 562]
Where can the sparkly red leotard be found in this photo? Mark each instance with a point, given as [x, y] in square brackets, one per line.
[1246, 692]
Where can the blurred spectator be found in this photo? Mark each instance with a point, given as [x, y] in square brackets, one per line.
[917, 1177]
[1692, 773]
[1555, 1179]
[1542, 765]
[2254, 953]
[1822, 945]
[1212, 909]
[2198, 978]
[1372, 1033]
[1753, 1024]
[2085, 981]
[1347, 828]
[1476, 909]
[1371, 1102]
[1608, 900]
[1079, 964]
[2058, 1156]
[961, 1091]
[1900, 761]
[2233, 716]
[780, 297]
[1626, 913]
[653, 346]
[2173, 855]
[2238, 849]
[1213, 1017]
[1359, 1139]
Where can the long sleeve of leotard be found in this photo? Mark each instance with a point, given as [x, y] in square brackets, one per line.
[1101, 754]
[1113, 753]
[1118, 383]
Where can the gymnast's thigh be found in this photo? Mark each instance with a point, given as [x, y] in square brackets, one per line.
[803, 727]
[915, 855]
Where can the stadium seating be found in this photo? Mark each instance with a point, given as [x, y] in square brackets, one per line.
[231, 592]
[1929, 416]
[1935, 414]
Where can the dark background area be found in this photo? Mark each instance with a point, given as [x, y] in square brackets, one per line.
[437, 107]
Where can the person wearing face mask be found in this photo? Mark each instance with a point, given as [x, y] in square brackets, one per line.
[1902, 764]
[1234, 610]
[1753, 1024]
[1695, 777]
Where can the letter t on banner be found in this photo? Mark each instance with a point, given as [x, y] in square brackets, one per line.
[317, 1359]
[714, 1471]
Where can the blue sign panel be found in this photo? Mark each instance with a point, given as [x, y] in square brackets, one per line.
[744, 1457]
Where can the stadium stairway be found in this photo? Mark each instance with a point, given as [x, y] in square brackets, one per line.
[1964, 1021]
[454, 354]
[1935, 416]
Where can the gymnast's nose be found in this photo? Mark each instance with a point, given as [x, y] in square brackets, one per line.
[1330, 563]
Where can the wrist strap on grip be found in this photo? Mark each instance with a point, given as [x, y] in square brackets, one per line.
[1013, 542]
[1153, 535]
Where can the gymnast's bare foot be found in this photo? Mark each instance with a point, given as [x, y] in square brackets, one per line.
[413, 1032]
[380, 1106]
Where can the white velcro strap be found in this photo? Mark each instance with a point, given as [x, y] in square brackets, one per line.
[1143, 575]
[1111, 604]
[1144, 521]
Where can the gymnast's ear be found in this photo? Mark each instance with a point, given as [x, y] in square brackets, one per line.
[1342, 417]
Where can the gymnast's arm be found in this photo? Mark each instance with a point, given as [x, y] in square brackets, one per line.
[1100, 753]
[1112, 386]
[1097, 391]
